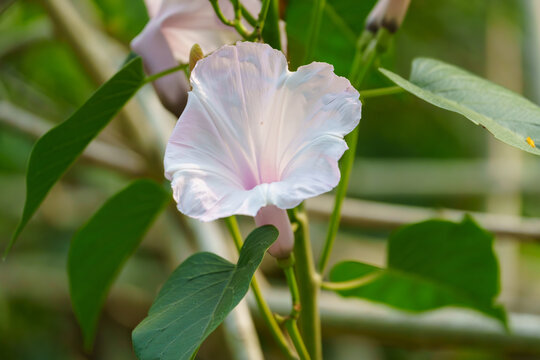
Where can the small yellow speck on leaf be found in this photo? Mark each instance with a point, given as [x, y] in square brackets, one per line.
[531, 142]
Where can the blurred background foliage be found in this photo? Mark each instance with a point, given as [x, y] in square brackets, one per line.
[41, 76]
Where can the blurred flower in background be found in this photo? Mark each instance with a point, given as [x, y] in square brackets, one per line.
[174, 27]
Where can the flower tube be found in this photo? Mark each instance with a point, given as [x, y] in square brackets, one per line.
[256, 139]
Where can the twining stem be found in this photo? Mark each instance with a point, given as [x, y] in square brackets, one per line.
[357, 63]
[367, 61]
[363, 41]
[346, 168]
[234, 230]
[291, 321]
[294, 333]
[237, 10]
[314, 29]
[247, 15]
[220, 14]
[361, 64]
[288, 269]
[371, 93]
[156, 76]
[308, 284]
[266, 313]
[237, 22]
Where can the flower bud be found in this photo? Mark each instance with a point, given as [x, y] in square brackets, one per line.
[195, 54]
[272, 215]
[388, 14]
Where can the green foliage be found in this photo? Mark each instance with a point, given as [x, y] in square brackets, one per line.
[13, 152]
[197, 298]
[431, 264]
[339, 31]
[52, 90]
[59, 73]
[271, 30]
[58, 149]
[100, 248]
[508, 116]
[27, 40]
[123, 19]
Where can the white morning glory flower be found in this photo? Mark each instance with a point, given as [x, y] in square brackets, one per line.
[174, 27]
[256, 139]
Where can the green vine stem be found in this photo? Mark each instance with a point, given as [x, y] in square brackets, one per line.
[237, 10]
[294, 333]
[266, 313]
[287, 265]
[151, 78]
[308, 284]
[348, 285]
[237, 22]
[247, 15]
[291, 321]
[357, 75]
[220, 14]
[371, 93]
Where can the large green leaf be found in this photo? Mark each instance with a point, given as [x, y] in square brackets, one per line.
[58, 149]
[197, 298]
[100, 248]
[431, 264]
[507, 115]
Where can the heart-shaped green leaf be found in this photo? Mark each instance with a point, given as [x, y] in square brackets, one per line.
[100, 248]
[431, 264]
[196, 299]
[508, 116]
[58, 149]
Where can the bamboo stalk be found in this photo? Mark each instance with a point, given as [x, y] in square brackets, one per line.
[436, 177]
[448, 327]
[503, 52]
[372, 214]
[27, 278]
[99, 153]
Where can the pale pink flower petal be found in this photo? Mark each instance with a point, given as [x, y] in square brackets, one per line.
[254, 134]
[152, 7]
[187, 22]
